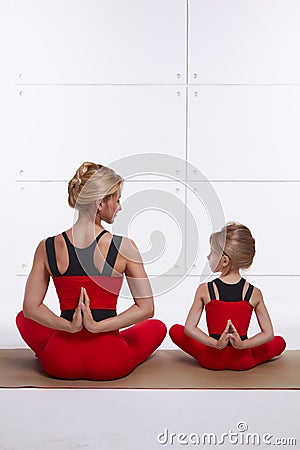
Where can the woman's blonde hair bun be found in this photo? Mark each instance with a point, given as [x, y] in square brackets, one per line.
[92, 182]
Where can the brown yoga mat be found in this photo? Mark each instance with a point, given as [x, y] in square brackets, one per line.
[165, 369]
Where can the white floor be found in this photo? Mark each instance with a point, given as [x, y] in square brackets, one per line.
[33, 419]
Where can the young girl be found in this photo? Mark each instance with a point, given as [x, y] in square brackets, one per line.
[229, 301]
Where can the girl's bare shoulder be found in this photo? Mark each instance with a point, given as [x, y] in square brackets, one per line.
[256, 297]
[202, 293]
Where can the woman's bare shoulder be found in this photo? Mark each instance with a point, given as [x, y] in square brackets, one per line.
[41, 248]
[129, 249]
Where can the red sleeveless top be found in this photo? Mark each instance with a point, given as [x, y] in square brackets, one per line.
[230, 306]
[218, 312]
[103, 291]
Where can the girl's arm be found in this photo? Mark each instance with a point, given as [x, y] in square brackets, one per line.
[139, 285]
[35, 291]
[191, 329]
[266, 334]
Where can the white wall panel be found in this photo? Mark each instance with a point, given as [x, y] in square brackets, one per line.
[45, 212]
[281, 300]
[253, 41]
[11, 222]
[268, 209]
[57, 128]
[245, 132]
[92, 41]
[153, 216]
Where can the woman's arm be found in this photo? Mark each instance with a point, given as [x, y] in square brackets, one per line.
[191, 329]
[264, 321]
[139, 285]
[35, 291]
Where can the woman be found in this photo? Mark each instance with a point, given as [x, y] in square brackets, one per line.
[87, 265]
[229, 301]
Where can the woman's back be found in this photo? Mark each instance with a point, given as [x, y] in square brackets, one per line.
[75, 267]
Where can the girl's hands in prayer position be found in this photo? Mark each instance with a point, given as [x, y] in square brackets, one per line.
[230, 334]
[234, 337]
[224, 338]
